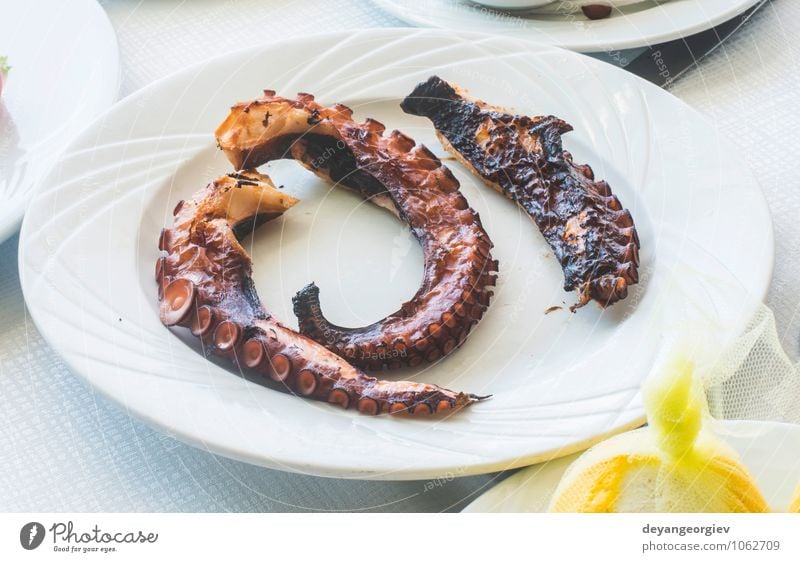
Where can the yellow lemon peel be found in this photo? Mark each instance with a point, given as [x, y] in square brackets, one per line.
[676, 464]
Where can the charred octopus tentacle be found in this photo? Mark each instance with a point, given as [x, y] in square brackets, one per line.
[591, 234]
[204, 277]
[395, 173]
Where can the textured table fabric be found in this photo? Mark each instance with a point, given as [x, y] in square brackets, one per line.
[64, 448]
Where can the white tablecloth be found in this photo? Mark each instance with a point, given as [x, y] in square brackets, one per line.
[64, 448]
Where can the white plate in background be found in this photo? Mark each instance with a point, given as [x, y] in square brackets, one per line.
[513, 4]
[65, 72]
[560, 381]
[769, 450]
[639, 25]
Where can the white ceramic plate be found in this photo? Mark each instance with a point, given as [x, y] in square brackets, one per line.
[513, 4]
[638, 25]
[65, 72]
[770, 450]
[560, 381]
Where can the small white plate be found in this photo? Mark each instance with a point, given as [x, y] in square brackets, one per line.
[560, 381]
[639, 25]
[770, 450]
[513, 4]
[65, 72]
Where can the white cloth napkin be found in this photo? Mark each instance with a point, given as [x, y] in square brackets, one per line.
[64, 448]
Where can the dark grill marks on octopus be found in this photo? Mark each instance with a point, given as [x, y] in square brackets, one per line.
[407, 179]
[591, 234]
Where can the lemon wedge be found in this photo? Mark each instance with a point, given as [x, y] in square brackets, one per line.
[676, 464]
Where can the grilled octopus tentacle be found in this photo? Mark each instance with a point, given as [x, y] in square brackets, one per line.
[205, 284]
[592, 236]
[410, 181]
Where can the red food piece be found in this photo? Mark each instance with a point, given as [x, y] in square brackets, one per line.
[596, 11]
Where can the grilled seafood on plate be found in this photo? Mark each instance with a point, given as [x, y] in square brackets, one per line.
[205, 284]
[395, 173]
[591, 234]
